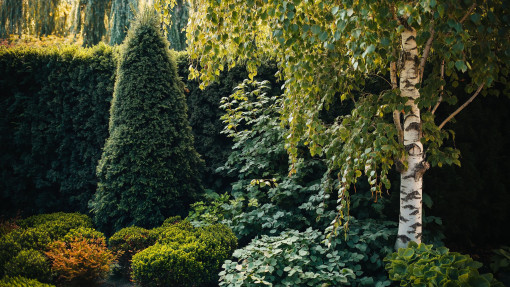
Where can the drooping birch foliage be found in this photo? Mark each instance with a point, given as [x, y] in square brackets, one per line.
[327, 49]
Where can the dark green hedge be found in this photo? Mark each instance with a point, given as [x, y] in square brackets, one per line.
[54, 112]
[54, 109]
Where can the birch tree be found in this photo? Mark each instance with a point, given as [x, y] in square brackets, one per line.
[327, 49]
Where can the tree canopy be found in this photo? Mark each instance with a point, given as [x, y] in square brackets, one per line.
[327, 49]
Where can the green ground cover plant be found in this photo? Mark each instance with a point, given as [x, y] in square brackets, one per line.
[423, 265]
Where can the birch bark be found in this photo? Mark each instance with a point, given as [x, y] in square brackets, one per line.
[410, 219]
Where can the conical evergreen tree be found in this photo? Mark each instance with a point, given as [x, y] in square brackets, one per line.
[149, 169]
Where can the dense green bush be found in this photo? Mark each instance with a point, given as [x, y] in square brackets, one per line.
[53, 122]
[301, 258]
[291, 259]
[83, 233]
[58, 224]
[30, 264]
[264, 199]
[149, 169]
[163, 265]
[22, 239]
[423, 265]
[22, 282]
[184, 256]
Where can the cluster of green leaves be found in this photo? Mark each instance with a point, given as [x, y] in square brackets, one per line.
[205, 113]
[500, 261]
[149, 168]
[292, 258]
[183, 255]
[264, 199]
[295, 258]
[53, 123]
[423, 265]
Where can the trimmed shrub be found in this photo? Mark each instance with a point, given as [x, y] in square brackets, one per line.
[22, 282]
[149, 169]
[31, 264]
[423, 265]
[81, 260]
[22, 239]
[165, 265]
[184, 256]
[57, 225]
[83, 233]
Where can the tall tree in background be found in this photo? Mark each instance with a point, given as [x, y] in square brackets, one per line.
[94, 22]
[122, 13]
[329, 48]
[149, 169]
[11, 17]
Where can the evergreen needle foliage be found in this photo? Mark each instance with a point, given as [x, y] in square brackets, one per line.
[149, 169]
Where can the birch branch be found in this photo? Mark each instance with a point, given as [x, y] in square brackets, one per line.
[426, 51]
[462, 107]
[468, 13]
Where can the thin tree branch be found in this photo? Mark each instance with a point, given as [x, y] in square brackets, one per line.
[440, 90]
[468, 13]
[462, 107]
[426, 51]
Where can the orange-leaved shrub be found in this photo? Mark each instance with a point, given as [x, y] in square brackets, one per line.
[83, 260]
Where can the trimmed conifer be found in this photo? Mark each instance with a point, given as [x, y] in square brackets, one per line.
[149, 169]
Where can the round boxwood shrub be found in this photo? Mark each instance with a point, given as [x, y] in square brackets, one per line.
[165, 265]
[22, 281]
[31, 264]
[83, 233]
[58, 224]
[149, 169]
[184, 256]
[22, 239]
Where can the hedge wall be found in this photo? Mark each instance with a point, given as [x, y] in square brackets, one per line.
[54, 109]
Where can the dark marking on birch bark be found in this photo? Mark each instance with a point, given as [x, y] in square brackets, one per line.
[419, 235]
[420, 169]
[416, 225]
[411, 114]
[403, 219]
[411, 147]
[403, 238]
[414, 212]
[409, 206]
[412, 195]
[414, 126]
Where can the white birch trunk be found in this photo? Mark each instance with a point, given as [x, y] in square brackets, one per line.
[410, 219]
